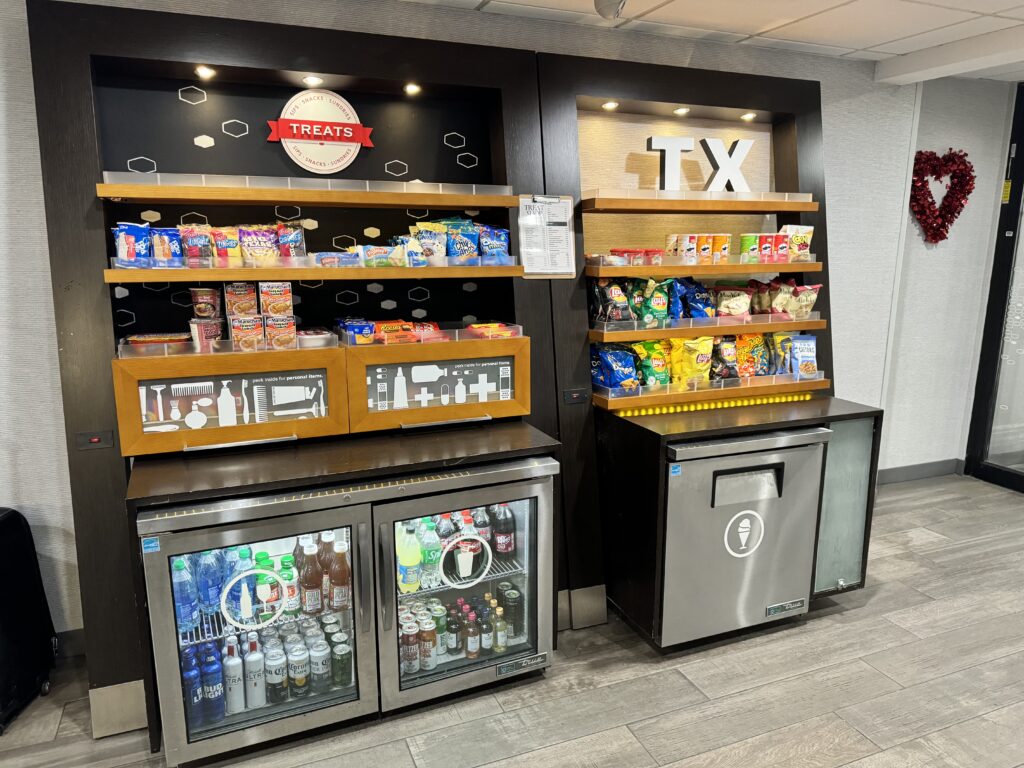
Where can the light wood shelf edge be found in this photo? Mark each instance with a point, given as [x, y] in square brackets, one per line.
[704, 270]
[707, 395]
[645, 334]
[253, 274]
[654, 205]
[157, 193]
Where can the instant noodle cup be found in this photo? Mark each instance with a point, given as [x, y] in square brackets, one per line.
[276, 298]
[720, 249]
[705, 248]
[247, 333]
[205, 302]
[205, 331]
[241, 299]
[780, 248]
[280, 332]
[750, 247]
[765, 248]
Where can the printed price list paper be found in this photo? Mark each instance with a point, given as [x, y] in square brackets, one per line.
[546, 236]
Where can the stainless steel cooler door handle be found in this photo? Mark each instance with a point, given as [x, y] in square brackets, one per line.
[365, 578]
[385, 576]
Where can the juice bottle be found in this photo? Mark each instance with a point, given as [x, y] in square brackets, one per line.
[407, 548]
[325, 553]
[311, 581]
[341, 579]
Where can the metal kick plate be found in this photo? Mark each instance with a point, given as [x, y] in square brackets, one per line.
[537, 661]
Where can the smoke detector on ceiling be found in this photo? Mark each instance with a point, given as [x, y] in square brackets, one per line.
[609, 9]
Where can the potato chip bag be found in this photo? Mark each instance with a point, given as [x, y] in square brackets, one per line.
[723, 359]
[690, 359]
[654, 362]
[760, 299]
[782, 344]
[733, 302]
[697, 300]
[656, 300]
[612, 366]
[802, 301]
[779, 295]
[751, 355]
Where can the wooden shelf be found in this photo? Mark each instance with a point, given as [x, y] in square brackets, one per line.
[704, 270]
[312, 274]
[653, 205]
[751, 392]
[154, 193]
[644, 334]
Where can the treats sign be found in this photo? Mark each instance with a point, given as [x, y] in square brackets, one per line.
[320, 131]
[726, 162]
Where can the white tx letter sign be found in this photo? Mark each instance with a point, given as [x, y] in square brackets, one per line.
[726, 162]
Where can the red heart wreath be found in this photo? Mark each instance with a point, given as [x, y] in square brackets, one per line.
[935, 220]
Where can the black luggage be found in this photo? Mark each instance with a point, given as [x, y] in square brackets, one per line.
[28, 644]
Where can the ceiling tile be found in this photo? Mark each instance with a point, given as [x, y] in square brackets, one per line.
[867, 23]
[676, 31]
[868, 55]
[452, 3]
[790, 45]
[633, 7]
[548, 14]
[978, 6]
[748, 17]
[1016, 12]
[961, 31]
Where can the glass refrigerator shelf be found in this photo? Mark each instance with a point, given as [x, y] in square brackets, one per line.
[498, 570]
[453, 663]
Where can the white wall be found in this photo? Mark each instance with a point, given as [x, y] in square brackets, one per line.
[868, 141]
[940, 310]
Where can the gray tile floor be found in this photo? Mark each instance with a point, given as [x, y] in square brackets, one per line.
[924, 667]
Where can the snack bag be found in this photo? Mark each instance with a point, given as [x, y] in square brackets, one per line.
[463, 245]
[690, 360]
[733, 302]
[654, 362]
[433, 238]
[723, 359]
[656, 300]
[384, 256]
[597, 377]
[291, 244]
[197, 245]
[616, 368]
[494, 251]
[760, 299]
[779, 295]
[611, 303]
[697, 300]
[413, 251]
[802, 301]
[241, 299]
[782, 345]
[166, 248]
[280, 332]
[799, 241]
[133, 244]
[635, 294]
[805, 357]
[259, 246]
[751, 355]
[276, 299]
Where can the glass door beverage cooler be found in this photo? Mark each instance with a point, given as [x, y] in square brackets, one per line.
[261, 618]
[271, 615]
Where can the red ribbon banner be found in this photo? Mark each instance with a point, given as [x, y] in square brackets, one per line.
[318, 130]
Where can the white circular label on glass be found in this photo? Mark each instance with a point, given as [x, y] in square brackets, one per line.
[744, 533]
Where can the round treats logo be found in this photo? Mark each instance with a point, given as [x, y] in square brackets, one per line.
[320, 131]
[744, 533]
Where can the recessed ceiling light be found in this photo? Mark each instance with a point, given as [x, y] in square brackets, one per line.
[748, 116]
[411, 89]
[611, 106]
[681, 111]
[205, 72]
[313, 81]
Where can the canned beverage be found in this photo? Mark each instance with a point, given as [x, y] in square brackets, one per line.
[705, 248]
[434, 601]
[750, 246]
[440, 618]
[298, 671]
[765, 248]
[410, 648]
[320, 667]
[273, 643]
[341, 665]
[287, 628]
[267, 633]
[308, 624]
[311, 636]
[338, 638]
[501, 589]
[781, 248]
[424, 615]
[276, 675]
[514, 612]
[329, 618]
[428, 645]
[331, 625]
[404, 617]
[720, 248]
[416, 606]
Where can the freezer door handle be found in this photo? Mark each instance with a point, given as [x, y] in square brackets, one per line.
[385, 576]
[364, 575]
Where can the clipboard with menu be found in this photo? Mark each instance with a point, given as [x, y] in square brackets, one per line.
[547, 238]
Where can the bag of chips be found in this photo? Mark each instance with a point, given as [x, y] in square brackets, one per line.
[656, 299]
[779, 295]
[610, 303]
[654, 363]
[723, 359]
[676, 301]
[228, 252]
[291, 243]
[690, 359]
[733, 302]
[697, 300]
[617, 369]
[259, 246]
[799, 241]
[751, 355]
[802, 301]
[782, 347]
[805, 357]
[760, 299]
[494, 251]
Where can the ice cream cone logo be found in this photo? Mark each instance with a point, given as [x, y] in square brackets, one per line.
[743, 529]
